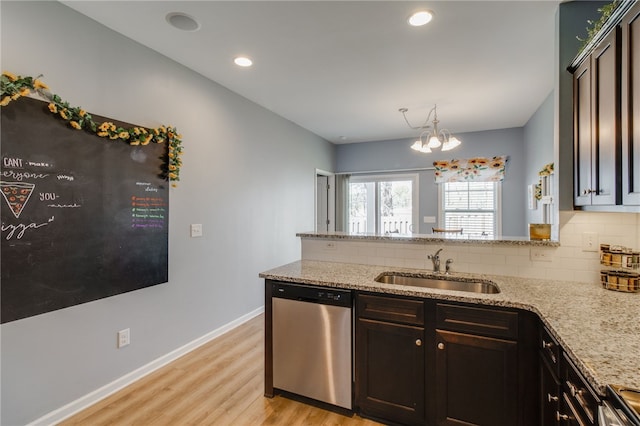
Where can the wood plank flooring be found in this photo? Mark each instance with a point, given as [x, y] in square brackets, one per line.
[220, 383]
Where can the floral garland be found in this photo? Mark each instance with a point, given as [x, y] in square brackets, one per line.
[13, 87]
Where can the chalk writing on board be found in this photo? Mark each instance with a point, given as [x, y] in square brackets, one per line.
[21, 228]
[148, 212]
[64, 206]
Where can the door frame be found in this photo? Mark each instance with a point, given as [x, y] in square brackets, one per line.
[331, 199]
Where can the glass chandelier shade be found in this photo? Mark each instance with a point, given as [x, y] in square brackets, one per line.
[432, 137]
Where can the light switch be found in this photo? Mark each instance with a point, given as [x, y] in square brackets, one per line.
[429, 219]
[196, 230]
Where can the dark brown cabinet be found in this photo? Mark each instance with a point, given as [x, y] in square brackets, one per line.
[550, 387]
[630, 32]
[476, 366]
[390, 359]
[597, 143]
[580, 402]
[476, 380]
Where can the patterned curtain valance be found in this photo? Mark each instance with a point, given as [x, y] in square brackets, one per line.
[479, 169]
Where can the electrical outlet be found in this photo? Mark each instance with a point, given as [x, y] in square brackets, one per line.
[124, 337]
[589, 241]
[330, 245]
[196, 230]
[540, 255]
[429, 219]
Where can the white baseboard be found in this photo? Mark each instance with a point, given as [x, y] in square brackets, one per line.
[86, 401]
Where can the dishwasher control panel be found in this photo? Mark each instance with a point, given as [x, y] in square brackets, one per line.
[312, 294]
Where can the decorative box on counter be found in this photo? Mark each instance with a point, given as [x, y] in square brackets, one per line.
[622, 264]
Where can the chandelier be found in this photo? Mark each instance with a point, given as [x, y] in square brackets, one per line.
[432, 137]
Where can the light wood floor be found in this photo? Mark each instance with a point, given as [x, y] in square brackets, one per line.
[220, 383]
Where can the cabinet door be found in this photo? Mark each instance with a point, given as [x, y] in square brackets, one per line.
[476, 380]
[550, 394]
[631, 107]
[582, 134]
[390, 371]
[597, 131]
[606, 148]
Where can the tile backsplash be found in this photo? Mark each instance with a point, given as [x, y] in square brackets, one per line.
[568, 262]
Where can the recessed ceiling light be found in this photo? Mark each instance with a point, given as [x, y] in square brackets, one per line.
[420, 18]
[182, 21]
[243, 61]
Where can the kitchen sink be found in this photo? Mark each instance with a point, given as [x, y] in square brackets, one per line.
[442, 282]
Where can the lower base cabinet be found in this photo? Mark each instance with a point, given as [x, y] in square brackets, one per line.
[390, 359]
[476, 380]
[423, 362]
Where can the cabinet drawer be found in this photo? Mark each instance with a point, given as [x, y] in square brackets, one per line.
[487, 322]
[550, 349]
[391, 309]
[579, 392]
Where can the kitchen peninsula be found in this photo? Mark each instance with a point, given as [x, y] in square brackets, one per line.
[596, 328]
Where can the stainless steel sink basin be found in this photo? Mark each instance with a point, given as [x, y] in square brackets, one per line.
[443, 283]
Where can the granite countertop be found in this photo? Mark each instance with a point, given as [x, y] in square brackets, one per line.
[599, 329]
[430, 238]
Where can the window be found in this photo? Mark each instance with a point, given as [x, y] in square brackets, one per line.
[472, 206]
[382, 204]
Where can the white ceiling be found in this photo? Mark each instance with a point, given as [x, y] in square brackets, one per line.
[342, 69]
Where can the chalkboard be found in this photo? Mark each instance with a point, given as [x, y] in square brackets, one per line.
[83, 217]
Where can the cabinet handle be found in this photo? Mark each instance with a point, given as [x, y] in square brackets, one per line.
[418, 342]
[561, 416]
[551, 397]
[578, 394]
[547, 345]
[440, 346]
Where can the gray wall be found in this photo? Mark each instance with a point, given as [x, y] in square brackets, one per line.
[538, 148]
[250, 198]
[397, 154]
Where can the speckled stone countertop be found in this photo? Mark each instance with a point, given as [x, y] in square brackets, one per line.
[430, 238]
[599, 329]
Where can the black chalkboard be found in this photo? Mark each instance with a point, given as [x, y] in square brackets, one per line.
[83, 217]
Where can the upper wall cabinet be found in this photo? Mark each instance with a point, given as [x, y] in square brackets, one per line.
[606, 82]
[630, 28]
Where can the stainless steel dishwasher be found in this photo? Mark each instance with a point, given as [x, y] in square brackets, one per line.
[312, 342]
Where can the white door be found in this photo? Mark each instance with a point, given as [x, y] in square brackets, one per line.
[322, 203]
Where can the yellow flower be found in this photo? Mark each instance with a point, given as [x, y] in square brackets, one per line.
[24, 91]
[63, 114]
[160, 140]
[104, 126]
[123, 135]
[15, 96]
[53, 108]
[112, 127]
[171, 155]
[5, 101]
[134, 142]
[10, 76]
[172, 167]
[40, 85]
[156, 131]
[136, 131]
[113, 137]
[162, 129]
[82, 113]
[173, 185]
[143, 130]
[75, 125]
[172, 175]
[102, 134]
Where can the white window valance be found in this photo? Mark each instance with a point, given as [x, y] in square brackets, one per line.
[478, 169]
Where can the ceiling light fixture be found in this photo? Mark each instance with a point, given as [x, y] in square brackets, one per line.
[420, 18]
[243, 61]
[431, 137]
[182, 21]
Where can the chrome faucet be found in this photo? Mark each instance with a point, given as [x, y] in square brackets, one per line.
[448, 266]
[435, 258]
